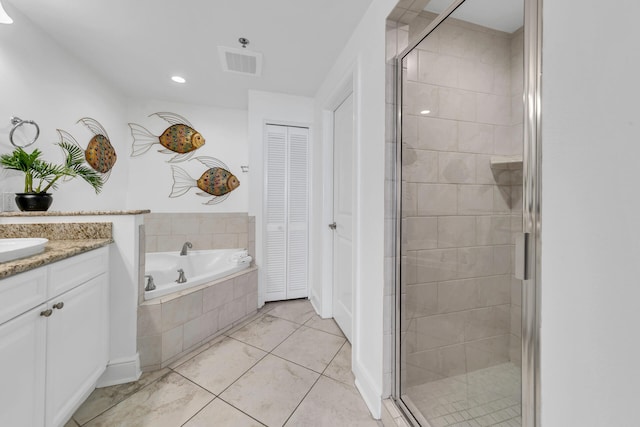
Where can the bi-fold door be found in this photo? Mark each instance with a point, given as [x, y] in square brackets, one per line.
[286, 212]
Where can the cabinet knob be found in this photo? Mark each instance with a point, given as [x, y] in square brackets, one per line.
[58, 305]
[48, 312]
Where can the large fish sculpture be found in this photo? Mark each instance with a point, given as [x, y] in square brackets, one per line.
[179, 138]
[216, 181]
[99, 154]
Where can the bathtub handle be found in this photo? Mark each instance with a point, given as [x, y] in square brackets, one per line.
[181, 277]
[150, 285]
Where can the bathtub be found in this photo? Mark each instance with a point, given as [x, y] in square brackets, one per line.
[199, 267]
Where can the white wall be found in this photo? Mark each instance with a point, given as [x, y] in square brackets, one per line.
[151, 178]
[268, 107]
[41, 81]
[365, 55]
[590, 209]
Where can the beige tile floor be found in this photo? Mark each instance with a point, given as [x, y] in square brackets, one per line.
[285, 367]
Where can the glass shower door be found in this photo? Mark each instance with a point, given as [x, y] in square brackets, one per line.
[461, 210]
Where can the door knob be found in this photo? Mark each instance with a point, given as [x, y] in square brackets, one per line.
[58, 305]
[333, 225]
[48, 312]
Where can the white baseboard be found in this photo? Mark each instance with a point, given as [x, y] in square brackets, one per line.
[120, 371]
[369, 391]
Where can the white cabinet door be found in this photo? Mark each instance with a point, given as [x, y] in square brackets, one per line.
[22, 365]
[77, 347]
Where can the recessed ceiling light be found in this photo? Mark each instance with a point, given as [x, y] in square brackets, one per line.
[424, 112]
[178, 79]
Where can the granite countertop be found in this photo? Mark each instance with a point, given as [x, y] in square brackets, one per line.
[65, 240]
[75, 213]
[55, 250]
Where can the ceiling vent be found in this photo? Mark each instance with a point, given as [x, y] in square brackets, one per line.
[241, 61]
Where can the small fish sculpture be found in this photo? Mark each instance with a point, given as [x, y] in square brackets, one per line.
[179, 138]
[99, 154]
[216, 181]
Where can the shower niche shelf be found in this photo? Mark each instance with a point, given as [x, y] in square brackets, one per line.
[506, 162]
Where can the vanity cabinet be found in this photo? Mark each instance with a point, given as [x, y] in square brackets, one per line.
[52, 354]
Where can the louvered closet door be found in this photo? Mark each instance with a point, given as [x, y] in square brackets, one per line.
[286, 205]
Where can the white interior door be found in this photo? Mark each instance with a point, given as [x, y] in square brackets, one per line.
[342, 216]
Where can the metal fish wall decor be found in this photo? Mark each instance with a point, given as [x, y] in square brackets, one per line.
[180, 137]
[99, 154]
[216, 181]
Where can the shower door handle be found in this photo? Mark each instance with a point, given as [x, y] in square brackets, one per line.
[522, 256]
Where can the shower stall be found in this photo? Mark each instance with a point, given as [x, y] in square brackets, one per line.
[468, 216]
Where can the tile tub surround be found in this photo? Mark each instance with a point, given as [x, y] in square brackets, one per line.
[65, 240]
[168, 231]
[229, 382]
[171, 326]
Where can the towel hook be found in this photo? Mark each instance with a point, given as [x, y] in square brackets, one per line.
[17, 122]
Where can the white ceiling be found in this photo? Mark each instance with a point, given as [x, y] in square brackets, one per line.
[137, 45]
[502, 15]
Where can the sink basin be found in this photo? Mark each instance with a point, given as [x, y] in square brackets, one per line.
[11, 249]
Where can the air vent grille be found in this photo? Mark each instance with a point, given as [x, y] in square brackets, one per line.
[240, 61]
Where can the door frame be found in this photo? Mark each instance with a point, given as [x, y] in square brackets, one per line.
[532, 185]
[346, 87]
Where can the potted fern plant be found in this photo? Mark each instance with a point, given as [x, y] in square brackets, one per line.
[40, 176]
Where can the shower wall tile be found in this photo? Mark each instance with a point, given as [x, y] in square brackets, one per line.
[457, 295]
[475, 199]
[493, 230]
[437, 134]
[502, 259]
[493, 109]
[436, 265]
[422, 300]
[487, 322]
[516, 320]
[437, 199]
[410, 132]
[418, 97]
[420, 233]
[420, 166]
[411, 63]
[475, 138]
[502, 199]
[441, 330]
[487, 352]
[456, 168]
[494, 290]
[456, 104]
[475, 76]
[456, 231]
[409, 199]
[475, 262]
[516, 291]
[436, 364]
[438, 69]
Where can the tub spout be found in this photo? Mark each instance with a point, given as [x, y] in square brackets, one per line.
[186, 245]
[150, 285]
[181, 278]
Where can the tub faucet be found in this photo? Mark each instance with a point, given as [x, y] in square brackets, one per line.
[150, 285]
[181, 278]
[186, 245]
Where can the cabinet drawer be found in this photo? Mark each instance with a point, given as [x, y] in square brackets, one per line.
[22, 292]
[69, 273]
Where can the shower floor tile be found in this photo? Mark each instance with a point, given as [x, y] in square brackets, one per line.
[256, 375]
[486, 397]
